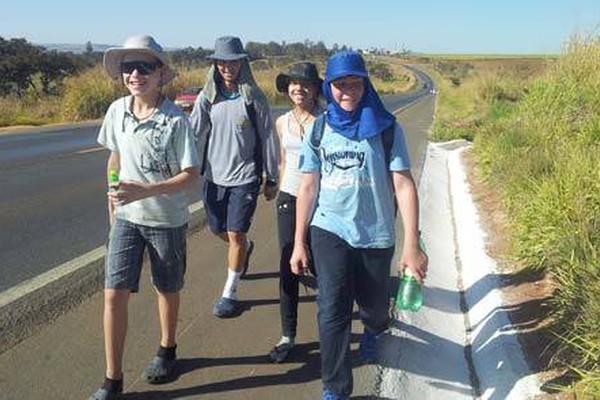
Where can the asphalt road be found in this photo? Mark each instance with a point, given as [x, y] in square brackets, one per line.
[53, 203]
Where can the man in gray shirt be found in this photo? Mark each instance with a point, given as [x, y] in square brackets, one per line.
[233, 125]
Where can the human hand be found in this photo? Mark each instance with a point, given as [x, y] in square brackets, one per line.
[270, 192]
[416, 261]
[129, 191]
[300, 261]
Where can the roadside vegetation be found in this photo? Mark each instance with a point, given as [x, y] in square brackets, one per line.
[536, 139]
[40, 87]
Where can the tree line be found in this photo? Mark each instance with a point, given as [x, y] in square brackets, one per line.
[27, 67]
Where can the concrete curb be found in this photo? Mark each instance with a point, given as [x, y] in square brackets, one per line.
[27, 307]
[496, 353]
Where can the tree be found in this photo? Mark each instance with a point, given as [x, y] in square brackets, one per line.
[53, 68]
[18, 63]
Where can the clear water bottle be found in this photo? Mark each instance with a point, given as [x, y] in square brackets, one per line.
[410, 291]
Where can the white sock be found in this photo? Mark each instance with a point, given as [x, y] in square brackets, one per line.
[286, 339]
[230, 289]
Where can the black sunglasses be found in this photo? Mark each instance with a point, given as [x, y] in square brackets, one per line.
[142, 67]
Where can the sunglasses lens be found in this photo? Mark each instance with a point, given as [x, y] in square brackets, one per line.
[142, 67]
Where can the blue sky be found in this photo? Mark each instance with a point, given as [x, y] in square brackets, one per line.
[429, 26]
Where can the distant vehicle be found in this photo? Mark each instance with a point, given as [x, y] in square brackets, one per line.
[185, 100]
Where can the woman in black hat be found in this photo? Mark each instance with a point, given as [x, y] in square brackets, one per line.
[302, 84]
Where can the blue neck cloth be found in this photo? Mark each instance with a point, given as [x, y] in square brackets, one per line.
[370, 117]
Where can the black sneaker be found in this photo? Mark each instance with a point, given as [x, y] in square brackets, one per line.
[248, 255]
[280, 352]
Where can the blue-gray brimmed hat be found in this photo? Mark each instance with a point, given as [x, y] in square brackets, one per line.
[228, 48]
[142, 44]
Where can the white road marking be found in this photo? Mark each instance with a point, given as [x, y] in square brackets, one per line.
[92, 150]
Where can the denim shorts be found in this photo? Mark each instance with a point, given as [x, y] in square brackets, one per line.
[230, 208]
[124, 256]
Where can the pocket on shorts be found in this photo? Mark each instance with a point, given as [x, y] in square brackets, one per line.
[286, 204]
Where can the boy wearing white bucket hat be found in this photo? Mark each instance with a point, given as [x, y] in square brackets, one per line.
[153, 152]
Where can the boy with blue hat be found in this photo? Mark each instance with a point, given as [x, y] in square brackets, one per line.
[346, 204]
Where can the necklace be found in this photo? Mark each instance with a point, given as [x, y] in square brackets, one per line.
[301, 122]
[149, 112]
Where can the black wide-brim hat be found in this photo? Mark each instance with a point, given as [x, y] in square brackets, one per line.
[304, 71]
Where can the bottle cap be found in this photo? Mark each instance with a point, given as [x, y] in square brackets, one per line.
[113, 176]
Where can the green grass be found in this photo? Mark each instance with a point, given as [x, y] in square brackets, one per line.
[538, 144]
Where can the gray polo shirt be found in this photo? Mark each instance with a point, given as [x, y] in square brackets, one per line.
[152, 150]
[232, 140]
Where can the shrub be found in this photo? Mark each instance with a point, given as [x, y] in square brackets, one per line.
[542, 154]
[88, 95]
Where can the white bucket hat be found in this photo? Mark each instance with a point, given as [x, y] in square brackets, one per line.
[143, 44]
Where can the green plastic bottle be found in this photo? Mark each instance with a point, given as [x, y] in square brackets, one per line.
[410, 291]
[113, 179]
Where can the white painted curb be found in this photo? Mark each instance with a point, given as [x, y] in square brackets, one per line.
[498, 359]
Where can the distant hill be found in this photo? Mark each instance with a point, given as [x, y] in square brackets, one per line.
[80, 48]
[73, 48]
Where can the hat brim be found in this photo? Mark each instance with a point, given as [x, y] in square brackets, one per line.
[345, 73]
[114, 55]
[227, 57]
[283, 81]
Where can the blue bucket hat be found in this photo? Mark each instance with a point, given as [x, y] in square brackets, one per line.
[345, 63]
[228, 48]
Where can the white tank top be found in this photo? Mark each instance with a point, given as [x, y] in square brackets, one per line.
[292, 144]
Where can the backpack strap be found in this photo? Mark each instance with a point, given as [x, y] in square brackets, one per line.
[387, 139]
[317, 131]
[258, 148]
[203, 141]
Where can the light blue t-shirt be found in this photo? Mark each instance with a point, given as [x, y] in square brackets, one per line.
[355, 199]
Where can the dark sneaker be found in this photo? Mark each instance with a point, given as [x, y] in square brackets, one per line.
[367, 348]
[111, 390]
[248, 255]
[331, 395]
[280, 352]
[227, 308]
[160, 370]
[103, 394]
